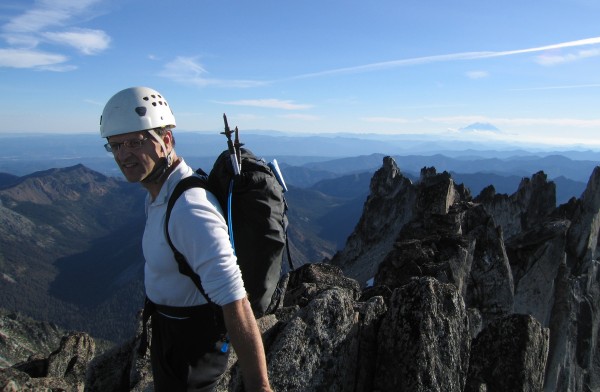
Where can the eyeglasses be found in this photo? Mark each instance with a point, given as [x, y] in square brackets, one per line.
[131, 144]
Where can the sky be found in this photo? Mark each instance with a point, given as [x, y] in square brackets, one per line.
[526, 71]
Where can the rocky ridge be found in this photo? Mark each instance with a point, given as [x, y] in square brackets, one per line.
[506, 255]
[496, 293]
[21, 338]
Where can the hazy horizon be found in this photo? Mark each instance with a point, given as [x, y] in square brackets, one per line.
[470, 139]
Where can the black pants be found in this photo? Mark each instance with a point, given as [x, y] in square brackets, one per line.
[186, 352]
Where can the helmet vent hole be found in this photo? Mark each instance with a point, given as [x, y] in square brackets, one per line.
[153, 103]
[141, 111]
[146, 98]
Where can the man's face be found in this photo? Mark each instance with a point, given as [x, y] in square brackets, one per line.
[137, 156]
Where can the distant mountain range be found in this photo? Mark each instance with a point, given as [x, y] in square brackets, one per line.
[24, 154]
[307, 160]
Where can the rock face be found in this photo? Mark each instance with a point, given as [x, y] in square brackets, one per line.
[508, 255]
[421, 341]
[389, 206]
[514, 342]
[493, 293]
[21, 338]
[325, 338]
[63, 370]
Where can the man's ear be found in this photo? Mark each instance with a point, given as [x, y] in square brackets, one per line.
[169, 139]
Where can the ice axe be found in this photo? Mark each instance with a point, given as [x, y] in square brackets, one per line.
[234, 150]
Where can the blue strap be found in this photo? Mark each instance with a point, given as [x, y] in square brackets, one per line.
[229, 219]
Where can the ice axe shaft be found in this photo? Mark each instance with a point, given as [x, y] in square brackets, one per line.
[238, 147]
[232, 152]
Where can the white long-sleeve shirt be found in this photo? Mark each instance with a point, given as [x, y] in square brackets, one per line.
[199, 231]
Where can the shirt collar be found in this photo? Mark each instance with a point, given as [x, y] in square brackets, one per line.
[181, 171]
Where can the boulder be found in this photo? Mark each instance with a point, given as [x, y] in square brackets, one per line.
[509, 355]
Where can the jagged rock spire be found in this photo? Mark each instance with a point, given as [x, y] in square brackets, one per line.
[387, 208]
[583, 235]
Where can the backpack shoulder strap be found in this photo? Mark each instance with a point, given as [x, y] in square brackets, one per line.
[184, 267]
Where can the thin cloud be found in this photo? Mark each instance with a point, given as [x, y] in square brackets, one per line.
[48, 13]
[42, 25]
[519, 122]
[248, 117]
[555, 59]
[300, 117]
[477, 74]
[391, 120]
[565, 87]
[22, 41]
[447, 57]
[25, 58]
[570, 44]
[397, 63]
[58, 67]
[187, 70]
[86, 41]
[269, 103]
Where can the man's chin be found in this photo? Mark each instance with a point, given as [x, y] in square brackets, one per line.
[132, 177]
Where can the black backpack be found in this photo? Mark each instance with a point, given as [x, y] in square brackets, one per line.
[256, 213]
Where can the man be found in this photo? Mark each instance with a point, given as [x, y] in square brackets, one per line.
[188, 348]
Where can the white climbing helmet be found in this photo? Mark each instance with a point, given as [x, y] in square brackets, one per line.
[135, 109]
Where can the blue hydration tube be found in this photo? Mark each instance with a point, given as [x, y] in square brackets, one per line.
[229, 214]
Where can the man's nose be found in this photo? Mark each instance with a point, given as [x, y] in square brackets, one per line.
[122, 153]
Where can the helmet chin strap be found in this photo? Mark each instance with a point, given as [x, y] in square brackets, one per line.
[163, 163]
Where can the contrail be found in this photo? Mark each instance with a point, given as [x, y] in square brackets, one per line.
[570, 44]
[446, 57]
[573, 86]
